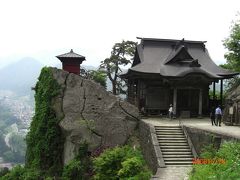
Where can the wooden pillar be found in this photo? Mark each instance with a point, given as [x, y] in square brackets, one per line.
[214, 96]
[200, 103]
[174, 102]
[221, 93]
[130, 91]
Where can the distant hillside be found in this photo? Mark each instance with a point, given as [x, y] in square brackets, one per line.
[20, 76]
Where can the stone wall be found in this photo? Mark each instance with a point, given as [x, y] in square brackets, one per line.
[201, 138]
[150, 146]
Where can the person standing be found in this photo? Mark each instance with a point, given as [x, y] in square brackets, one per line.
[218, 114]
[170, 111]
[212, 116]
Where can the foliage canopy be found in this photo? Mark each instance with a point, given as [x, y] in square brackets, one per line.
[232, 44]
[121, 55]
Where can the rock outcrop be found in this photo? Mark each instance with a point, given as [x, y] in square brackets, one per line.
[91, 114]
[232, 100]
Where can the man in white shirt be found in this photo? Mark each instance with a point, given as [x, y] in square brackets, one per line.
[170, 111]
[218, 114]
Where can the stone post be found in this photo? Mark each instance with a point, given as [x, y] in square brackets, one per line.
[174, 102]
[200, 104]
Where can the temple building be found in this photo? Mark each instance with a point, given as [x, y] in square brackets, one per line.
[71, 62]
[177, 72]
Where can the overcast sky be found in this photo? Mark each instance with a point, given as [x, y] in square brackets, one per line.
[43, 29]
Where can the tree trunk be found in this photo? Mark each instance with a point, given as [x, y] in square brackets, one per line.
[114, 88]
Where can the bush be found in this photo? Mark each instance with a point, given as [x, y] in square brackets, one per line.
[80, 167]
[74, 170]
[4, 171]
[20, 173]
[121, 163]
[230, 152]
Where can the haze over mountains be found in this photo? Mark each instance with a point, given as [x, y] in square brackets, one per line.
[20, 76]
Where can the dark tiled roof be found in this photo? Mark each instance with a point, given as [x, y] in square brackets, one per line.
[166, 58]
[70, 54]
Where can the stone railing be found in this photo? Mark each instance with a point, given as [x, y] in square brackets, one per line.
[150, 146]
[195, 155]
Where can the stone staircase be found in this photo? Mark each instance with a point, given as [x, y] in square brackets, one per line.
[174, 146]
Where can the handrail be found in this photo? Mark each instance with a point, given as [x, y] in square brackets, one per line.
[157, 148]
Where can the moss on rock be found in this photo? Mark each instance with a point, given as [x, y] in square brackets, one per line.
[45, 140]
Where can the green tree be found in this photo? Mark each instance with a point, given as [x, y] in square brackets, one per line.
[98, 76]
[232, 44]
[121, 55]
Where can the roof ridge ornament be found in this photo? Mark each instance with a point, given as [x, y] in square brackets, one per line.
[194, 63]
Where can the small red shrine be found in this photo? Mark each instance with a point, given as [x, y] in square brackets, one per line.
[71, 62]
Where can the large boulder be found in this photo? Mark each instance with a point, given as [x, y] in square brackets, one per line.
[232, 100]
[91, 114]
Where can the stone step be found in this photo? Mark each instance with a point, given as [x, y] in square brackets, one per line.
[160, 139]
[176, 153]
[185, 165]
[171, 136]
[177, 130]
[175, 147]
[173, 144]
[178, 156]
[178, 159]
[170, 133]
[176, 150]
[173, 141]
[178, 163]
[168, 129]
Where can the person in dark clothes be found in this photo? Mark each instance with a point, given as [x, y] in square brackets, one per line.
[218, 114]
[212, 116]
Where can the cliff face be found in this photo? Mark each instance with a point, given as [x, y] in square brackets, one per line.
[90, 114]
[232, 99]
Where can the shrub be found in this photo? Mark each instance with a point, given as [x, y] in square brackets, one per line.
[20, 173]
[80, 167]
[4, 171]
[230, 152]
[120, 163]
[74, 170]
